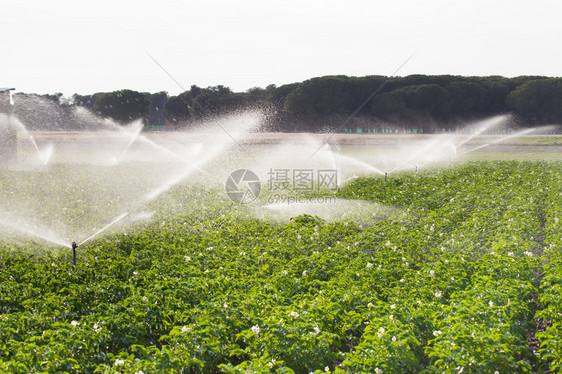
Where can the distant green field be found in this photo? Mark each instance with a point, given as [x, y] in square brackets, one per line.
[515, 156]
[553, 140]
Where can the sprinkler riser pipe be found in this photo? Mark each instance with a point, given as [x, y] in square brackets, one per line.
[74, 246]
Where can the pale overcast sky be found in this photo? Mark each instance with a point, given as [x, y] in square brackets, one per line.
[87, 47]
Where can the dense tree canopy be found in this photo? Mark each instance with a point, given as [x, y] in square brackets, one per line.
[425, 102]
[538, 100]
[123, 106]
[200, 102]
[413, 104]
[336, 103]
[156, 110]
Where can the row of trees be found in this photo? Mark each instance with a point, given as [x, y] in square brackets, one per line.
[422, 101]
[335, 102]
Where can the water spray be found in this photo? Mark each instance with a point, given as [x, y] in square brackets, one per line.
[507, 137]
[106, 227]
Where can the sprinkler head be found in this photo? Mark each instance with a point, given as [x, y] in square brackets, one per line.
[385, 176]
[74, 245]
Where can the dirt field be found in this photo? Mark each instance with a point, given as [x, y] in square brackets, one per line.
[515, 144]
[85, 144]
[275, 137]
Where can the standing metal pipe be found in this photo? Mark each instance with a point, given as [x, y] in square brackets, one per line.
[74, 246]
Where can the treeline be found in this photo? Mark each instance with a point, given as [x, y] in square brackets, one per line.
[426, 102]
[336, 103]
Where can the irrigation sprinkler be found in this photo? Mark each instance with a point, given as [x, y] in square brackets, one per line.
[385, 176]
[74, 246]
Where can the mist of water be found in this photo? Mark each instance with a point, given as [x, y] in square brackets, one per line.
[13, 122]
[120, 170]
[502, 139]
[221, 144]
[136, 130]
[47, 153]
[105, 228]
[361, 212]
[481, 127]
[10, 223]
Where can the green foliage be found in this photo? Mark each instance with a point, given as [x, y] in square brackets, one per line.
[335, 102]
[413, 105]
[538, 100]
[451, 283]
[123, 106]
[156, 111]
[86, 101]
[199, 103]
[428, 102]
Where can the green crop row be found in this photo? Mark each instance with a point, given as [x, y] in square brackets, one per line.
[549, 316]
[459, 279]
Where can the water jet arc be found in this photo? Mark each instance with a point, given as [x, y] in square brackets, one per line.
[106, 227]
